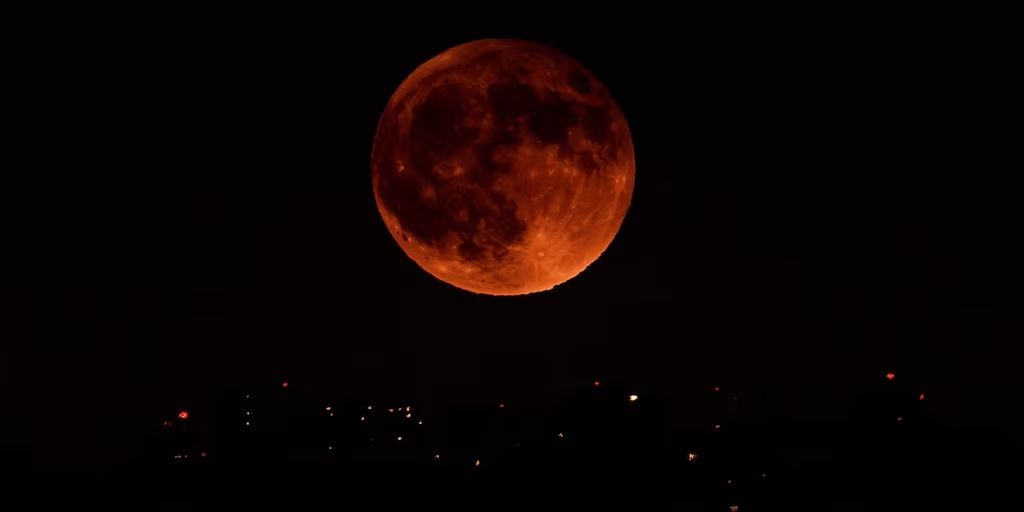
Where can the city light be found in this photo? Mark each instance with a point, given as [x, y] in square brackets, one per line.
[921, 396]
[408, 415]
[328, 407]
[183, 415]
[691, 457]
[890, 376]
[633, 398]
[597, 383]
[501, 406]
[478, 463]
[284, 384]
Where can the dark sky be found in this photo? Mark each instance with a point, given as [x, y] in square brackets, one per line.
[818, 200]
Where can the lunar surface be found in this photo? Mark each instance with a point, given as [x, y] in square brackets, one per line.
[503, 167]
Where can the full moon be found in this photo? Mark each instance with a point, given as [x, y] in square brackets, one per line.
[503, 167]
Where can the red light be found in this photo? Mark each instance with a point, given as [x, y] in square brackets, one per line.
[183, 415]
[203, 454]
[284, 384]
[890, 376]
[167, 423]
[501, 406]
[597, 383]
[717, 388]
[921, 396]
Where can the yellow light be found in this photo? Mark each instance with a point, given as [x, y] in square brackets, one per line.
[477, 463]
[328, 408]
[560, 434]
[369, 407]
[391, 410]
[362, 418]
[399, 438]
[691, 457]
[408, 415]
[407, 409]
[331, 414]
[633, 398]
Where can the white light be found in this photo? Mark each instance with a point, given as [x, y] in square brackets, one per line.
[421, 422]
[399, 438]
[633, 398]
[247, 423]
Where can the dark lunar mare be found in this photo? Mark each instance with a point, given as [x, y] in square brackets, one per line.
[438, 134]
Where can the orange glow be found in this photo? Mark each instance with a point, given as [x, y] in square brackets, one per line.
[407, 409]
[921, 396]
[328, 407]
[691, 457]
[399, 438]
[633, 398]
[733, 508]
[183, 415]
[477, 463]
[284, 384]
[408, 415]
[890, 376]
[554, 246]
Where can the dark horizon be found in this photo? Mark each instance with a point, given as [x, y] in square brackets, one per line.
[812, 209]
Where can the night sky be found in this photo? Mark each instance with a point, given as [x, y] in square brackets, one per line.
[818, 201]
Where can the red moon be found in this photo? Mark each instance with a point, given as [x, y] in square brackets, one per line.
[503, 167]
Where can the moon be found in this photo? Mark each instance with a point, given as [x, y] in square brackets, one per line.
[503, 167]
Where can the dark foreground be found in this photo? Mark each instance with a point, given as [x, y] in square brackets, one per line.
[819, 468]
